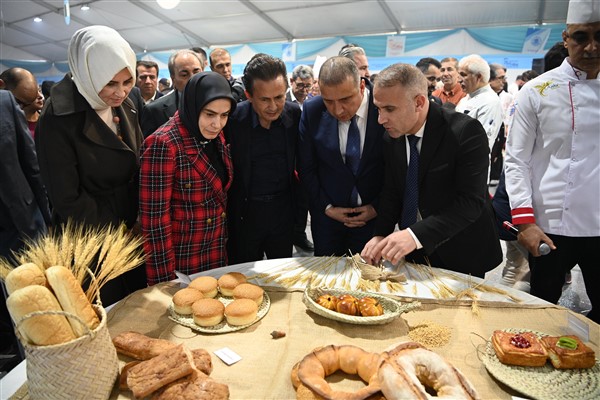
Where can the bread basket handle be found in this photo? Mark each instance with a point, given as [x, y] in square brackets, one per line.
[95, 282]
[18, 323]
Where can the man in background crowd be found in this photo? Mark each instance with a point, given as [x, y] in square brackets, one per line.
[220, 61]
[147, 80]
[183, 64]
[451, 92]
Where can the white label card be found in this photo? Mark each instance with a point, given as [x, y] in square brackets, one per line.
[227, 355]
[577, 327]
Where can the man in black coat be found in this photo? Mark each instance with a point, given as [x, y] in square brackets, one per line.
[452, 222]
[183, 64]
[24, 210]
[262, 134]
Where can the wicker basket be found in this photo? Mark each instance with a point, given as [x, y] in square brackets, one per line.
[391, 308]
[84, 368]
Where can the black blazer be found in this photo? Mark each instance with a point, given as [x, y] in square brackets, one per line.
[457, 229]
[155, 114]
[24, 208]
[237, 134]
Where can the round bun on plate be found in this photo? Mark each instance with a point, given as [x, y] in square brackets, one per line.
[208, 312]
[241, 312]
[249, 291]
[206, 284]
[230, 281]
[184, 298]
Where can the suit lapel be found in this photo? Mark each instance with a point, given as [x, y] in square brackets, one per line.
[329, 129]
[432, 137]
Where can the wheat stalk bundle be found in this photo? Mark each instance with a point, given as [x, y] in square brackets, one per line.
[104, 252]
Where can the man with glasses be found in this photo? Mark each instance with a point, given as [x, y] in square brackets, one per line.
[24, 210]
[430, 67]
[300, 84]
[553, 162]
[21, 83]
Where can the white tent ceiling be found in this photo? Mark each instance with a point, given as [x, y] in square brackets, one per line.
[206, 23]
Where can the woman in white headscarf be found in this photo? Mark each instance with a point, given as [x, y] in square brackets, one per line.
[88, 137]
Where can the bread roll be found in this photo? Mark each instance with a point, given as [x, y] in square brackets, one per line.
[230, 281]
[24, 275]
[184, 298]
[249, 291]
[208, 312]
[72, 299]
[40, 330]
[206, 284]
[241, 312]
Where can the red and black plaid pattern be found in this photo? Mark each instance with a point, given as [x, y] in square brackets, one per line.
[182, 204]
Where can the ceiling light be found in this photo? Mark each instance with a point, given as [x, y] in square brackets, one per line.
[85, 7]
[167, 4]
[37, 19]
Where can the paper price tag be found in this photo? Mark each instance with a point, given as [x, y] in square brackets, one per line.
[227, 355]
[577, 327]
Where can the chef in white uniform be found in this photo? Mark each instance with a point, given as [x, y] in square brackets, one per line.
[553, 162]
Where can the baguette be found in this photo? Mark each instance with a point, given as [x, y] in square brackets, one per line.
[150, 375]
[533, 356]
[24, 275]
[140, 347]
[40, 330]
[580, 357]
[72, 299]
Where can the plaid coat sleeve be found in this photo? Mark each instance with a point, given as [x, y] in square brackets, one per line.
[182, 204]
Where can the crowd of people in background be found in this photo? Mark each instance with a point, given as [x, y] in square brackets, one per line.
[420, 162]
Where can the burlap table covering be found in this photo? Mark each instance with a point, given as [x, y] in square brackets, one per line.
[264, 371]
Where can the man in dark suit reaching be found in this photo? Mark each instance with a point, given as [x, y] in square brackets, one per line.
[435, 181]
[340, 153]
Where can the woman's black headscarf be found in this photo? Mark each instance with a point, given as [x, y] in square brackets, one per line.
[200, 90]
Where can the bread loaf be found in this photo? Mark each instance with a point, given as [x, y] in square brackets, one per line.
[139, 346]
[41, 330]
[24, 275]
[72, 299]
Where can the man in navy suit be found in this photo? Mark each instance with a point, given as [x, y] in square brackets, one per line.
[452, 224]
[343, 181]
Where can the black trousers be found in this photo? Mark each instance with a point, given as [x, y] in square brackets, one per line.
[548, 272]
[267, 229]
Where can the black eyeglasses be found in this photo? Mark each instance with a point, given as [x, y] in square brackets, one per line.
[582, 38]
[303, 86]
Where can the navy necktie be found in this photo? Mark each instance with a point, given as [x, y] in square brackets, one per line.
[411, 189]
[353, 155]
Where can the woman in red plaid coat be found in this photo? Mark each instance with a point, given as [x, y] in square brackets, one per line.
[185, 173]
